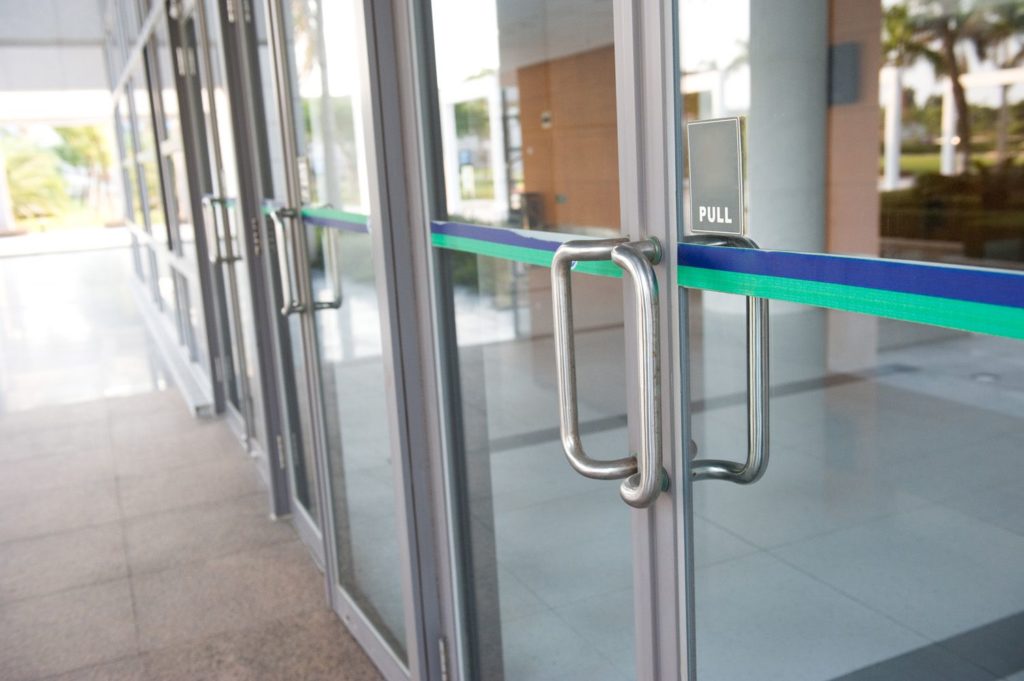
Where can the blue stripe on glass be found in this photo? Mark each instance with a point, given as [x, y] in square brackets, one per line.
[499, 235]
[335, 223]
[942, 281]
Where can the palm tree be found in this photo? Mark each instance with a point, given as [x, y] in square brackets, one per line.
[1001, 43]
[947, 23]
[901, 48]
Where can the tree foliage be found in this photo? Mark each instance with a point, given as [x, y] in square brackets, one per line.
[33, 177]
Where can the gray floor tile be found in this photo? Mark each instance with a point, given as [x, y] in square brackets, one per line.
[171, 538]
[58, 510]
[758, 618]
[43, 565]
[73, 629]
[930, 663]
[191, 602]
[801, 496]
[938, 571]
[194, 444]
[56, 438]
[313, 646]
[605, 621]
[45, 470]
[1001, 505]
[213, 482]
[543, 647]
[129, 669]
[51, 416]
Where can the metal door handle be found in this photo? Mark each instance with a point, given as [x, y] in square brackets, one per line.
[756, 464]
[216, 255]
[285, 248]
[212, 234]
[332, 269]
[644, 477]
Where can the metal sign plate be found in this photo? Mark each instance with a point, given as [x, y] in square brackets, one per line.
[715, 161]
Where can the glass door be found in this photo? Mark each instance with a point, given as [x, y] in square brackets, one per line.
[552, 258]
[337, 293]
[234, 366]
[883, 538]
[284, 35]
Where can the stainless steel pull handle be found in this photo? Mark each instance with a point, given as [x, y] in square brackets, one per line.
[332, 269]
[212, 233]
[228, 237]
[643, 473]
[285, 258]
[218, 230]
[758, 360]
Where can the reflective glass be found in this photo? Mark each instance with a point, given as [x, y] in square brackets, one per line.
[331, 141]
[885, 539]
[527, 117]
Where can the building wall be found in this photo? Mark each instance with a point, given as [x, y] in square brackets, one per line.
[572, 161]
[852, 186]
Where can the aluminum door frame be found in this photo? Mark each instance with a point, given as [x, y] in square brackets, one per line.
[240, 45]
[649, 155]
[311, 529]
[223, 285]
[407, 400]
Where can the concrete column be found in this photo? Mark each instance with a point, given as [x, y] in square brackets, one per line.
[947, 156]
[787, 123]
[893, 128]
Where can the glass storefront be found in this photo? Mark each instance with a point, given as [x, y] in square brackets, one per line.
[424, 171]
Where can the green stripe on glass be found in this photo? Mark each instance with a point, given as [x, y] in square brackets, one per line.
[335, 214]
[954, 314]
[994, 320]
[530, 256]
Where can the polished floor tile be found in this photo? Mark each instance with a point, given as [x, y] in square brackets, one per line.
[223, 594]
[76, 628]
[189, 535]
[758, 618]
[313, 646]
[54, 562]
[934, 570]
[229, 476]
[32, 514]
[72, 331]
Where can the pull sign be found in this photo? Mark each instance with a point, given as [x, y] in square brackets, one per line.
[715, 162]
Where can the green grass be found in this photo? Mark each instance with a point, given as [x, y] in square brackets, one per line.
[929, 163]
[70, 219]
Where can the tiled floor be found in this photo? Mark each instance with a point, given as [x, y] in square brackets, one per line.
[70, 330]
[125, 557]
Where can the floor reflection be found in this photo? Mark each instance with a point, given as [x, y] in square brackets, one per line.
[70, 330]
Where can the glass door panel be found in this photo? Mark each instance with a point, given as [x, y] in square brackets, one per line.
[553, 567]
[222, 217]
[279, 79]
[333, 282]
[884, 540]
[354, 385]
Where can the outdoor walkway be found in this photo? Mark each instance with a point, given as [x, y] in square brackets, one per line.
[135, 544]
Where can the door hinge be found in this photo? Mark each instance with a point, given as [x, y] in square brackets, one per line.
[442, 648]
[280, 452]
[230, 7]
[257, 242]
[179, 58]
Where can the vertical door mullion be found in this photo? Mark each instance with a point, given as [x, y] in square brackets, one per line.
[646, 82]
[404, 331]
[277, 31]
